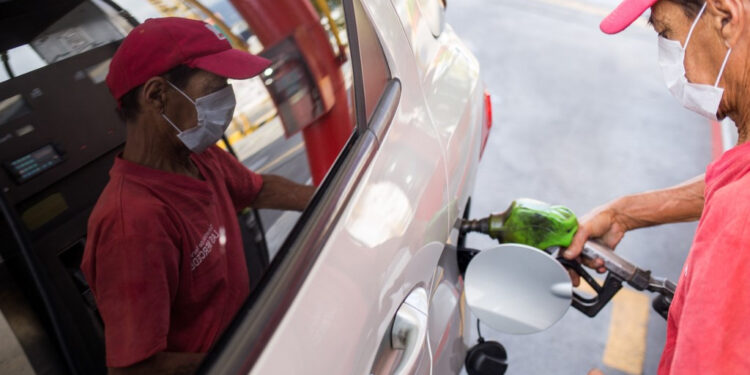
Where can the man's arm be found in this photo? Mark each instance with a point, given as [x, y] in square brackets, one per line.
[680, 203]
[163, 363]
[609, 223]
[282, 194]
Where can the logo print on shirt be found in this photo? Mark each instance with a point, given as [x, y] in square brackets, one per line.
[204, 247]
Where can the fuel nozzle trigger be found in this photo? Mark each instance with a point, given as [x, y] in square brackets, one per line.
[590, 306]
[619, 271]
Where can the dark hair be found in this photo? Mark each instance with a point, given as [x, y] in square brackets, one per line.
[179, 76]
[690, 7]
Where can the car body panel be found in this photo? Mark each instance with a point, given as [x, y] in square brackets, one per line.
[392, 236]
[451, 84]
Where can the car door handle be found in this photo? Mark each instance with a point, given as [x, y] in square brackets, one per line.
[409, 331]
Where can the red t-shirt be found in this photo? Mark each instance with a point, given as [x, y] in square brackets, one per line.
[708, 330]
[164, 255]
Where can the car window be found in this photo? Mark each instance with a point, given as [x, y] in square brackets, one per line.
[243, 341]
[272, 129]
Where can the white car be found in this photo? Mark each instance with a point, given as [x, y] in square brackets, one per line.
[370, 282]
[367, 282]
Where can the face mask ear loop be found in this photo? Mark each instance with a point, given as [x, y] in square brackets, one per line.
[165, 116]
[180, 91]
[171, 123]
[723, 65]
[690, 33]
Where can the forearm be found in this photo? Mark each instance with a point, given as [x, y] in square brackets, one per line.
[283, 194]
[680, 203]
[163, 363]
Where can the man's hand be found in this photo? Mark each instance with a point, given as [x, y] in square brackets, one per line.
[609, 223]
[601, 223]
[595, 371]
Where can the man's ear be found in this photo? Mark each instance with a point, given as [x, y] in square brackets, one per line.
[154, 94]
[729, 17]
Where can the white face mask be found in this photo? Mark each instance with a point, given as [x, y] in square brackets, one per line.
[214, 113]
[700, 98]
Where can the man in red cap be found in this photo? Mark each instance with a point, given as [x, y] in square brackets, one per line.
[164, 256]
[703, 53]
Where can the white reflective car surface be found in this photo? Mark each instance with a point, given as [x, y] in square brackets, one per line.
[364, 281]
[389, 243]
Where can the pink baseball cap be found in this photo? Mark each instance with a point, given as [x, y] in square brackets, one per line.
[624, 15]
[160, 44]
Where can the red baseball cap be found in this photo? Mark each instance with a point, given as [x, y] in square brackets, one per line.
[624, 15]
[160, 44]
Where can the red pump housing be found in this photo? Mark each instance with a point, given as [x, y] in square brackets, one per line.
[276, 20]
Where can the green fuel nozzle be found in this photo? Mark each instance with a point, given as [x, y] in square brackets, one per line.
[546, 227]
[529, 222]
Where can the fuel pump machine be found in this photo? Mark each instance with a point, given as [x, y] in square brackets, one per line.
[59, 134]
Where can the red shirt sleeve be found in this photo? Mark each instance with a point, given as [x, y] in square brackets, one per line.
[137, 278]
[242, 183]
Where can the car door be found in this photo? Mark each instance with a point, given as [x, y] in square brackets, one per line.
[355, 289]
[377, 265]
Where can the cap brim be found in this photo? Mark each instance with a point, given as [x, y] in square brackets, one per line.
[232, 63]
[624, 15]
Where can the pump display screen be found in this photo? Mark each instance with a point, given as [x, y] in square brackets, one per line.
[34, 163]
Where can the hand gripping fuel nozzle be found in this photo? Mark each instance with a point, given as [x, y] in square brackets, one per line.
[551, 228]
[619, 271]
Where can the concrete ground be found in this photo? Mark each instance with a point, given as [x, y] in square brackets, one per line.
[580, 118]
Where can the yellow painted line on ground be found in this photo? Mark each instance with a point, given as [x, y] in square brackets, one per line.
[236, 136]
[626, 342]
